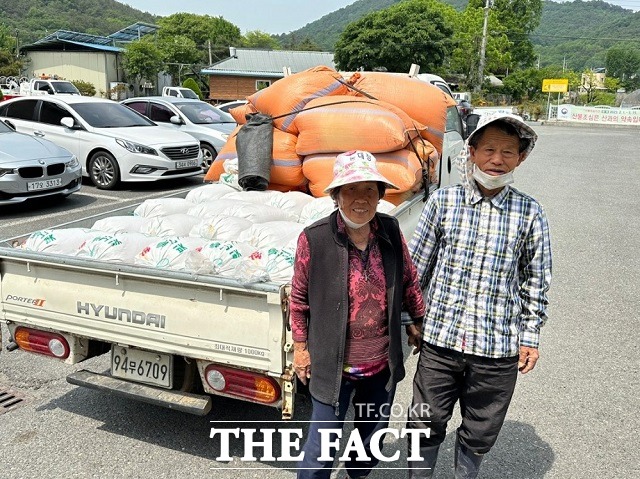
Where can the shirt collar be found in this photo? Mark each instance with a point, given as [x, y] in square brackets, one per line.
[474, 196]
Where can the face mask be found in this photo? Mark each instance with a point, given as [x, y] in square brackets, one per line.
[350, 223]
[491, 182]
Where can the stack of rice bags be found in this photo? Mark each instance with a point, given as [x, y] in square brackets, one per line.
[248, 236]
[401, 120]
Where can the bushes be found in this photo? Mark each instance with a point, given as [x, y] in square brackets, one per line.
[86, 88]
[191, 83]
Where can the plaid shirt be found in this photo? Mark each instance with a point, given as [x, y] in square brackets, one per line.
[486, 264]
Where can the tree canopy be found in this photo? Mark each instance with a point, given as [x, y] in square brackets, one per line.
[415, 31]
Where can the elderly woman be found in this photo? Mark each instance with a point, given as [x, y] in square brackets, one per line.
[352, 277]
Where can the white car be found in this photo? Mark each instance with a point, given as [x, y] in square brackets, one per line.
[209, 125]
[112, 142]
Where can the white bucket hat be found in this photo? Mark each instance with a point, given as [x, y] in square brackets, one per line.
[356, 166]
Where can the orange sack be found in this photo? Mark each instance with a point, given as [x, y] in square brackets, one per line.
[240, 113]
[286, 165]
[401, 167]
[344, 123]
[423, 102]
[290, 94]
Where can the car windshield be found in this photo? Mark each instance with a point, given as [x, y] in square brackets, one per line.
[65, 87]
[202, 113]
[109, 115]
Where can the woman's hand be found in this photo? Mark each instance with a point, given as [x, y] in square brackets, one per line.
[301, 361]
[414, 331]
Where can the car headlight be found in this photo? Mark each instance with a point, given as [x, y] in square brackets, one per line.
[72, 163]
[136, 148]
[6, 171]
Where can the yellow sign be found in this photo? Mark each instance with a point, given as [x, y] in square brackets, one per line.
[555, 85]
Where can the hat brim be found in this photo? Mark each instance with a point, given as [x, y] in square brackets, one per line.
[345, 181]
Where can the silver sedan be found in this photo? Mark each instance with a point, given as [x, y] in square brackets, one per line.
[32, 167]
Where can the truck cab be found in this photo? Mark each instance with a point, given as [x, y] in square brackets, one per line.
[179, 92]
[46, 86]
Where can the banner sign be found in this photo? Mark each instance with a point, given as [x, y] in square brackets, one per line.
[606, 115]
[555, 85]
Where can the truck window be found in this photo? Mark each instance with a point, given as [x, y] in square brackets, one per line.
[454, 122]
[52, 113]
[160, 113]
[173, 93]
[23, 110]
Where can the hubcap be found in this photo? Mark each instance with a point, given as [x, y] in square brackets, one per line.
[103, 171]
[207, 157]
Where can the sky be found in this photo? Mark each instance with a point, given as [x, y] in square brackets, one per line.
[271, 16]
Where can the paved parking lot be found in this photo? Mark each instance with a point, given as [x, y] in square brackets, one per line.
[574, 417]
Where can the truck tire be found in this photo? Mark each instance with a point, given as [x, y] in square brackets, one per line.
[104, 170]
[209, 154]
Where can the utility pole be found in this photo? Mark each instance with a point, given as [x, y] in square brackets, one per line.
[209, 45]
[483, 45]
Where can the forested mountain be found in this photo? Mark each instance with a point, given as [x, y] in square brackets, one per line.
[34, 19]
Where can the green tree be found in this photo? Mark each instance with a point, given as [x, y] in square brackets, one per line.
[203, 30]
[623, 62]
[259, 39]
[176, 51]
[191, 83]
[414, 31]
[9, 64]
[142, 60]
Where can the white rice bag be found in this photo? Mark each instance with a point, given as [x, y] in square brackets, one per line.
[257, 213]
[221, 227]
[271, 234]
[256, 197]
[214, 208]
[59, 241]
[267, 264]
[292, 202]
[231, 180]
[121, 224]
[171, 225]
[162, 207]
[210, 192]
[385, 206]
[230, 166]
[174, 254]
[226, 256]
[119, 248]
[316, 209]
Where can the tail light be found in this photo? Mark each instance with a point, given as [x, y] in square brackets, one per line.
[236, 382]
[42, 342]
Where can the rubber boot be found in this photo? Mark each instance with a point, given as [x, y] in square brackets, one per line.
[424, 469]
[467, 462]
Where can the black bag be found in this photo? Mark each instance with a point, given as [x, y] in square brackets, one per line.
[254, 145]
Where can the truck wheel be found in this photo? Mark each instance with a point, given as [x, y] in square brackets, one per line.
[208, 155]
[104, 170]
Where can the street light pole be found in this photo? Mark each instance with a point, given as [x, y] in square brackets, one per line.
[483, 46]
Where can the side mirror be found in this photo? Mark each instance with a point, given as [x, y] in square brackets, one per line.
[69, 122]
[472, 122]
[175, 119]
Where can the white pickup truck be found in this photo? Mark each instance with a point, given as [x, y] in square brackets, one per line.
[175, 339]
[37, 86]
[179, 92]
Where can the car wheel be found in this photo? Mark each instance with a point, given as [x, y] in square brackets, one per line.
[104, 170]
[208, 155]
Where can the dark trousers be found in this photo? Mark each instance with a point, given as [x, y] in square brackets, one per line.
[369, 399]
[484, 387]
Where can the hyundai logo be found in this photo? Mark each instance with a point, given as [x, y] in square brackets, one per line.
[184, 151]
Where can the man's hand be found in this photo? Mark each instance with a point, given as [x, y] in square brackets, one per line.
[301, 361]
[528, 359]
[414, 331]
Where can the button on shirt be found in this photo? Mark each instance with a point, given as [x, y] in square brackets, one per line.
[486, 264]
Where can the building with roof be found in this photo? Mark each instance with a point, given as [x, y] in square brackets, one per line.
[81, 56]
[248, 70]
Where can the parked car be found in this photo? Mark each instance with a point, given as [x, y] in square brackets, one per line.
[208, 124]
[33, 167]
[231, 104]
[112, 142]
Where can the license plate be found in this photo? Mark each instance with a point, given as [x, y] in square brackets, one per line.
[142, 366]
[44, 184]
[186, 164]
